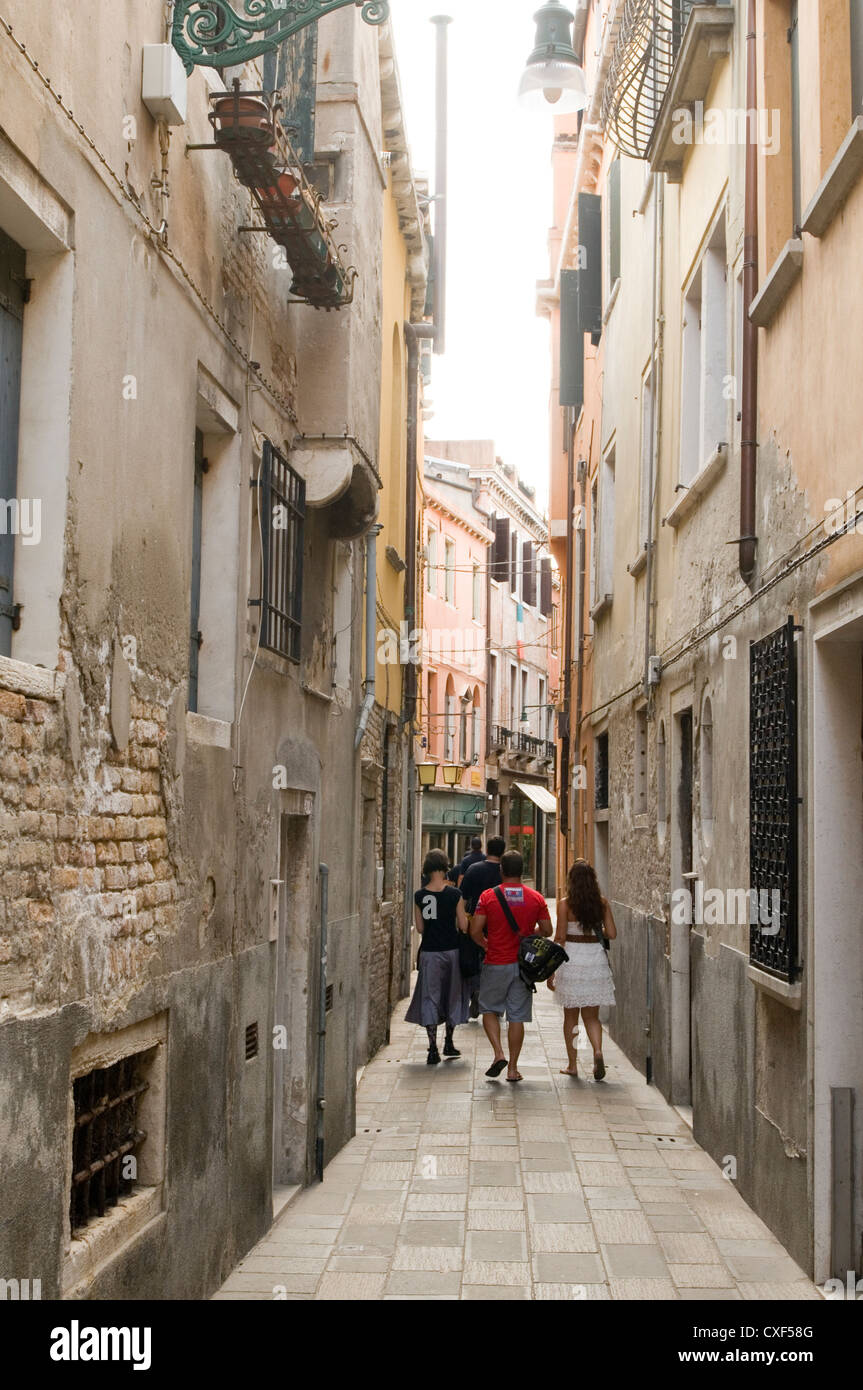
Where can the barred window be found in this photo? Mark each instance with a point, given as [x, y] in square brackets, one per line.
[107, 1136]
[282, 511]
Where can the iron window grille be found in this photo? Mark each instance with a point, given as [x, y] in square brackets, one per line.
[773, 800]
[282, 501]
[106, 1132]
[251, 1041]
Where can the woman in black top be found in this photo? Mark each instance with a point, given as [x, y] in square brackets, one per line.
[441, 994]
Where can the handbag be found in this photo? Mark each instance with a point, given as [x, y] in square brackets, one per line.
[470, 955]
[538, 956]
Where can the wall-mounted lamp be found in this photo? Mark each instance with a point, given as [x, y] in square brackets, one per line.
[427, 774]
[452, 774]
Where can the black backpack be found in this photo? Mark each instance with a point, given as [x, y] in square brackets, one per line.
[538, 956]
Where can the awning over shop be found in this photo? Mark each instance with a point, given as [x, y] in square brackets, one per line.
[540, 796]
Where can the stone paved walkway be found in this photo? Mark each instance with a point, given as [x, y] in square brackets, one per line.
[457, 1187]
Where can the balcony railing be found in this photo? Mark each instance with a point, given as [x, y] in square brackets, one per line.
[501, 737]
[647, 46]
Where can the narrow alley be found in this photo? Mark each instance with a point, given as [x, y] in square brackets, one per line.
[456, 1187]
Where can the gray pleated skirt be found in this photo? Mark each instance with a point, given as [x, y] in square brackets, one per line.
[441, 995]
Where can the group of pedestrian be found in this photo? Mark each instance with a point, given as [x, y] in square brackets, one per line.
[471, 919]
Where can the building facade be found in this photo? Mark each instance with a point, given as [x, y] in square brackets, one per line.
[715, 680]
[183, 914]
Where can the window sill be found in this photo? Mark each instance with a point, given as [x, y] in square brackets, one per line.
[600, 814]
[637, 566]
[837, 183]
[35, 681]
[109, 1236]
[602, 606]
[213, 733]
[785, 273]
[703, 483]
[612, 300]
[789, 994]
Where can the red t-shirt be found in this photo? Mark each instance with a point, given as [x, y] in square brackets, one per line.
[526, 906]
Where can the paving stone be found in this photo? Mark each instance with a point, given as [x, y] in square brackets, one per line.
[611, 1199]
[760, 1248]
[492, 1272]
[623, 1228]
[266, 1283]
[536, 1149]
[495, 1292]
[568, 1269]
[496, 1245]
[643, 1290]
[436, 1201]
[635, 1261]
[686, 1247]
[440, 1257]
[509, 1152]
[708, 1295]
[556, 1293]
[486, 1173]
[564, 1208]
[359, 1239]
[707, 1276]
[360, 1264]
[490, 1219]
[511, 1197]
[562, 1238]
[781, 1293]
[551, 1182]
[280, 1264]
[431, 1233]
[763, 1269]
[673, 1218]
[351, 1286]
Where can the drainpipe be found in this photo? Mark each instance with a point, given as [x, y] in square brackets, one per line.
[322, 1025]
[582, 569]
[749, 407]
[371, 631]
[658, 331]
[566, 741]
[441, 22]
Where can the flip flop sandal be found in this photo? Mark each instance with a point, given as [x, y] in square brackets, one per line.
[515, 1078]
[496, 1067]
[598, 1069]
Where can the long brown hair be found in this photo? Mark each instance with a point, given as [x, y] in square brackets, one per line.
[583, 896]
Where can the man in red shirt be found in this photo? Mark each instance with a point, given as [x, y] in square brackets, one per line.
[501, 988]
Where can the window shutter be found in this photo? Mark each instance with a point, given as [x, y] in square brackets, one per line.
[613, 223]
[590, 263]
[500, 553]
[545, 586]
[571, 343]
[528, 574]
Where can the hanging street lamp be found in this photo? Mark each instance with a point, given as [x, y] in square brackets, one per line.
[553, 78]
[427, 774]
[228, 33]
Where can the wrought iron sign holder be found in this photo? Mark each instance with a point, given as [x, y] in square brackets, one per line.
[211, 33]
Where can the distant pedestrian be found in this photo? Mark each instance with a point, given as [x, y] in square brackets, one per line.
[441, 993]
[483, 873]
[502, 990]
[475, 856]
[585, 982]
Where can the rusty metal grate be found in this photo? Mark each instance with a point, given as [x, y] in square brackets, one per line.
[251, 1041]
[283, 513]
[329, 997]
[106, 1133]
[773, 796]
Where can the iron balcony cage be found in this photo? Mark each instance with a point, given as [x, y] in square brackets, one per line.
[648, 42]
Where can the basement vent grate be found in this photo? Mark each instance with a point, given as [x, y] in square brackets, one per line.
[106, 1138]
[329, 997]
[251, 1041]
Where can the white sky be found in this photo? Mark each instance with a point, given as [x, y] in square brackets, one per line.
[493, 381]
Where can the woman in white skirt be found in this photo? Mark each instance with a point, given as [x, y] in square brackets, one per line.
[584, 982]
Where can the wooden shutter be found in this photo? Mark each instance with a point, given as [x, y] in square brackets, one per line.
[590, 263]
[528, 574]
[571, 343]
[12, 287]
[195, 638]
[545, 586]
[500, 552]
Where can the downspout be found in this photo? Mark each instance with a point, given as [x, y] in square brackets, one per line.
[322, 1026]
[566, 741]
[749, 407]
[441, 22]
[658, 332]
[582, 569]
[371, 631]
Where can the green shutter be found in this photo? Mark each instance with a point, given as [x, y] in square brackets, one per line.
[571, 343]
[590, 262]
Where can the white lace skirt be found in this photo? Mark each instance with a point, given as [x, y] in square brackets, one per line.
[585, 979]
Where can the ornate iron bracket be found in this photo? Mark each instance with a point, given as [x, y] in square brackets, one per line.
[210, 33]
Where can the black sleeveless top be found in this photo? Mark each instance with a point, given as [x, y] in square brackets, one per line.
[438, 911]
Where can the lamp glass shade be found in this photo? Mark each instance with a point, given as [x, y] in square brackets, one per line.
[553, 85]
[427, 774]
[452, 774]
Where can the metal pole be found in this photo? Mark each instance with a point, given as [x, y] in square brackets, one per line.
[322, 1025]
[441, 21]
